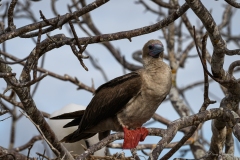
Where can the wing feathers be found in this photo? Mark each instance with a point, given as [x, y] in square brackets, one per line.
[110, 98]
[75, 136]
[118, 81]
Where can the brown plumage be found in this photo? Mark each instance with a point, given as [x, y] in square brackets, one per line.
[125, 102]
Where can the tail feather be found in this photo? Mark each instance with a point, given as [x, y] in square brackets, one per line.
[76, 116]
[71, 115]
[76, 136]
[102, 135]
[74, 122]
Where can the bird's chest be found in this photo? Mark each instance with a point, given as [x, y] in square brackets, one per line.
[136, 112]
[151, 87]
[141, 108]
[155, 87]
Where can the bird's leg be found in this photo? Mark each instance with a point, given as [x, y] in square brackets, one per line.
[132, 137]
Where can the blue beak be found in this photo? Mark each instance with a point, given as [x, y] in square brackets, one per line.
[155, 50]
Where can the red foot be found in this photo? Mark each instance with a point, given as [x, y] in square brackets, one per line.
[132, 137]
[144, 133]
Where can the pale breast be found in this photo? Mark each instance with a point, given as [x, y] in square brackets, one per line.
[155, 87]
[135, 113]
[157, 83]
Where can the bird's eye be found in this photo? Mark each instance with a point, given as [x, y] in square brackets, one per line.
[150, 47]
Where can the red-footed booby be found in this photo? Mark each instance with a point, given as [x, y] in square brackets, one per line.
[126, 102]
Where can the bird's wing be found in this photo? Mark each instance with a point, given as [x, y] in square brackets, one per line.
[110, 98]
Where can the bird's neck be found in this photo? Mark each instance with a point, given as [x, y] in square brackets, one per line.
[154, 64]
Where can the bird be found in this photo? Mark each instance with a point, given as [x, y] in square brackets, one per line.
[56, 126]
[126, 102]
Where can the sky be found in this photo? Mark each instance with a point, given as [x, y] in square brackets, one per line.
[112, 17]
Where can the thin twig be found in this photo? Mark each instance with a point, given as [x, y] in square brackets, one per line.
[25, 84]
[54, 24]
[205, 69]
[29, 143]
[29, 149]
[40, 131]
[15, 62]
[65, 77]
[5, 118]
[233, 3]
[2, 75]
[9, 154]
[10, 15]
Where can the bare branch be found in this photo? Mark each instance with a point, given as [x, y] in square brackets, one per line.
[25, 84]
[11, 25]
[35, 115]
[232, 66]
[214, 34]
[7, 74]
[66, 77]
[15, 62]
[12, 155]
[42, 134]
[113, 137]
[96, 65]
[164, 4]
[233, 3]
[185, 122]
[28, 144]
[47, 21]
[63, 19]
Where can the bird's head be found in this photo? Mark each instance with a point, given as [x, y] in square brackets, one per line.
[152, 50]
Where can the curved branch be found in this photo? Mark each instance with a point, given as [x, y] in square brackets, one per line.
[36, 116]
[236, 131]
[233, 3]
[164, 4]
[10, 15]
[29, 83]
[29, 143]
[166, 134]
[232, 66]
[137, 56]
[96, 65]
[61, 40]
[185, 122]
[12, 155]
[65, 77]
[63, 19]
[7, 74]
[113, 137]
[214, 34]
[127, 34]
[15, 62]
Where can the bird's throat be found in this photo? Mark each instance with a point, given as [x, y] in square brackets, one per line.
[132, 137]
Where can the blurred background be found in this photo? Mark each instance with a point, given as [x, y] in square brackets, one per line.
[115, 16]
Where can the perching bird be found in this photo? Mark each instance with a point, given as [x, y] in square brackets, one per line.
[56, 126]
[126, 102]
